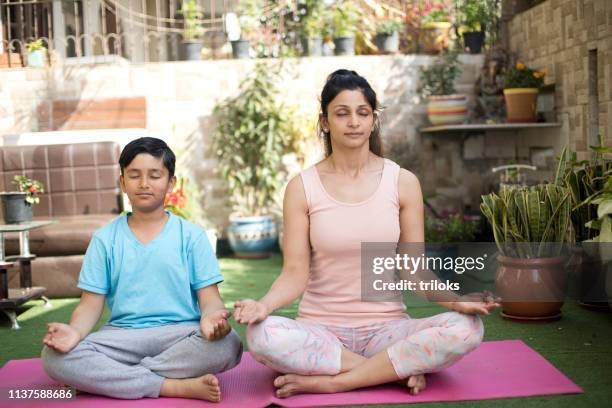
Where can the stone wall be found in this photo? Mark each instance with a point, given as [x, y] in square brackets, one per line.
[557, 36]
[180, 97]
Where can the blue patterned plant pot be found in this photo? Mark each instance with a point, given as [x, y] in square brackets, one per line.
[252, 237]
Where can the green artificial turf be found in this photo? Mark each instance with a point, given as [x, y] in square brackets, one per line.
[580, 344]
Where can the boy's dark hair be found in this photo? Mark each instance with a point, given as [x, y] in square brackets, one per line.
[150, 145]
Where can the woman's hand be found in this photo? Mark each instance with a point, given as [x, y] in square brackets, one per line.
[476, 303]
[249, 311]
[61, 337]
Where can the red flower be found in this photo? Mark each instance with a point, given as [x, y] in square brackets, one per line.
[428, 7]
[33, 189]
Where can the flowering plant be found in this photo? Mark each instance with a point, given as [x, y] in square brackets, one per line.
[176, 201]
[31, 187]
[453, 228]
[521, 76]
[432, 11]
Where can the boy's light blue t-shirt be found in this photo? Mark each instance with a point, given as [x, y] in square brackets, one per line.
[154, 284]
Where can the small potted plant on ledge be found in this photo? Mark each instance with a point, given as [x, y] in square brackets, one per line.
[387, 35]
[521, 88]
[435, 25]
[17, 205]
[37, 53]
[472, 19]
[311, 28]
[193, 31]
[438, 83]
[249, 13]
[344, 26]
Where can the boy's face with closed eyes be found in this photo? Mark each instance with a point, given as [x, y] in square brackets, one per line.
[146, 181]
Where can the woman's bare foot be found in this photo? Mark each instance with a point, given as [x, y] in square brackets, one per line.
[291, 384]
[205, 387]
[416, 383]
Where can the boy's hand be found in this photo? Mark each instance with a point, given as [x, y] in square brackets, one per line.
[61, 337]
[215, 326]
[250, 311]
[476, 303]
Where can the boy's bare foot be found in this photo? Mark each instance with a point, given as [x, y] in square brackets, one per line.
[205, 387]
[291, 384]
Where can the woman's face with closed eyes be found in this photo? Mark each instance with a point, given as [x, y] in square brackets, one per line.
[350, 119]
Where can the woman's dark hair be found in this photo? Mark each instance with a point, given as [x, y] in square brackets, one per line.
[343, 80]
[150, 145]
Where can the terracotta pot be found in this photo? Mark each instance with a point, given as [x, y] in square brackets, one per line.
[521, 104]
[531, 289]
[447, 109]
[434, 37]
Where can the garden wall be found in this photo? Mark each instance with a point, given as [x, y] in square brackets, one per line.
[179, 98]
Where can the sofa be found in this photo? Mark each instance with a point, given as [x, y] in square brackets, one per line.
[81, 192]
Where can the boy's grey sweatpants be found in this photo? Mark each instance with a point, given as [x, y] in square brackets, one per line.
[132, 363]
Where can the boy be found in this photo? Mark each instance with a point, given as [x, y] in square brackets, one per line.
[168, 331]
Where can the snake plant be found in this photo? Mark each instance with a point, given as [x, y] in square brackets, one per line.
[529, 222]
[585, 180]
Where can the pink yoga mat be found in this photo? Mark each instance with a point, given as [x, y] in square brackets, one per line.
[498, 369]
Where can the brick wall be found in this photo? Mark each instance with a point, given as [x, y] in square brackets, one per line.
[557, 35]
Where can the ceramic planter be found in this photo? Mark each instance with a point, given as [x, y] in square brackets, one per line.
[240, 48]
[193, 50]
[312, 47]
[531, 289]
[521, 104]
[387, 43]
[15, 208]
[252, 237]
[344, 45]
[36, 59]
[472, 41]
[447, 109]
[434, 37]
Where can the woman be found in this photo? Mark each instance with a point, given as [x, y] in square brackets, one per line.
[354, 195]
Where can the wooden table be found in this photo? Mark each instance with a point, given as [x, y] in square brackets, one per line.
[10, 299]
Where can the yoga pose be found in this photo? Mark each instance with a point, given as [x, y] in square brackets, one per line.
[168, 331]
[339, 342]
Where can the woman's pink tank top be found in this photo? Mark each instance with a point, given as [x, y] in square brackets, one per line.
[333, 293]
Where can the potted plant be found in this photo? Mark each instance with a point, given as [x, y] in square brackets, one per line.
[344, 19]
[182, 201]
[443, 234]
[251, 136]
[434, 25]
[521, 87]
[249, 13]
[438, 84]
[311, 27]
[192, 29]
[588, 181]
[37, 53]
[387, 35]
[18, 204]
[472, 18]
[530, 225]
